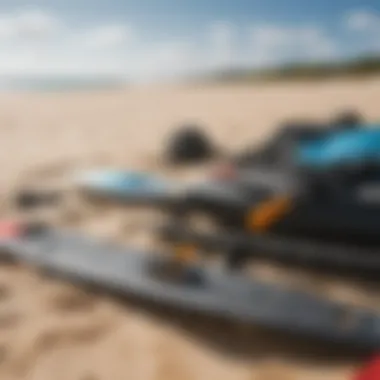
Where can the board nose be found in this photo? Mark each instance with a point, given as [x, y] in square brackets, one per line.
[10, 229]
[14, 229]
[370, 371]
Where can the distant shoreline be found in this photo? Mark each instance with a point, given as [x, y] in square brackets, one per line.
[359, 68]
[58, 84]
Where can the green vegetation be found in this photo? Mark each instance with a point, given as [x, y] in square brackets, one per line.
[355, 68]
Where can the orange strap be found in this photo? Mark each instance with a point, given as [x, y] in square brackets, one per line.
[186, 254]
[262, 217]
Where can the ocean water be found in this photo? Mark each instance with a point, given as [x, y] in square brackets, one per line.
[59, 84]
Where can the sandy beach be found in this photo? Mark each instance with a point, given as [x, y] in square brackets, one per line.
[51, 330]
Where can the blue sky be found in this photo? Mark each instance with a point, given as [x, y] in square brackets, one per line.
[149, 39]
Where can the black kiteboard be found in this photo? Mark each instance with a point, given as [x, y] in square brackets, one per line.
[215, 293]
[333, 258]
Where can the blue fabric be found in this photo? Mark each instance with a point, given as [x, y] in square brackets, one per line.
[342, 147]
[123, 182]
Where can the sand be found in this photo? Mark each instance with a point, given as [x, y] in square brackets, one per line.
[50, 330]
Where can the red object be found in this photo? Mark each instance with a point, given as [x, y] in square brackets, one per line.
[371, 371]
[10, 230]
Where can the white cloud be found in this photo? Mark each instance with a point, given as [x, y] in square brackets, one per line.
[272, 44]
[222, 39]
[110, 36]
[265, 45]
[163, 61]
[38, 42]
[28, 25]
[365, 29]
[362, 20]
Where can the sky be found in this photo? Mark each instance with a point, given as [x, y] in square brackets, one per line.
[145, 40]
